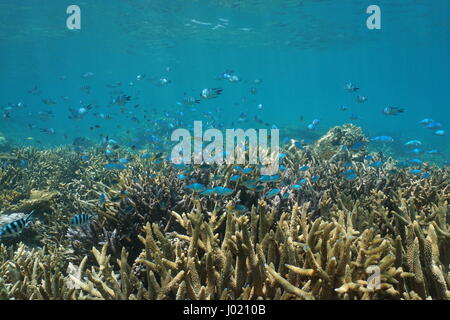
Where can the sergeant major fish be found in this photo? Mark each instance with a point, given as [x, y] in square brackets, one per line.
[81, 220]
[16, 227]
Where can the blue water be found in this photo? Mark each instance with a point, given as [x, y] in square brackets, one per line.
[304, 52]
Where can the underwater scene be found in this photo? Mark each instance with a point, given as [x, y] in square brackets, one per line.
[225, 150]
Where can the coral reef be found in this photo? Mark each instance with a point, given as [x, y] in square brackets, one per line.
[258, 257]
[32, 274]
[347, 135]
[39, 200]
[384, 235]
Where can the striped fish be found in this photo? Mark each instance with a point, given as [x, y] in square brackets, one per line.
[81, 220]
[15, 227]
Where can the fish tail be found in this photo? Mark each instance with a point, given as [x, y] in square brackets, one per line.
[28, 218]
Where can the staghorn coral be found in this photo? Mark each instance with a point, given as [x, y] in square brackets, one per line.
[39, 200]
[254, 257]
[155, 239]
[32, 274]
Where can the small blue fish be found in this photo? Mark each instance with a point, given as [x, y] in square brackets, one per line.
[377, 164]
[207, 192]
[415, 171]
[298, 145]
[413, 143]
[267, 178]
[196, 187]
[347, 164]
[264, 178]
[351, 177]
[304, 168]
[181, 176]
[102, 199]
[296, 186]
[357, 146]
[434, 125]
[222, 191]
[16, 227]
[272, 193]
[425, 175]
[146, 156]
[115, 166]
[314, 178]
[81, 220]
[415, 161]
[426, 121]
[235, 177]
[439, 132]
[247, 170]
[382, 139]
[282, 168]
[348, 172]
[124, 160]
[84, 158]
[302, 181]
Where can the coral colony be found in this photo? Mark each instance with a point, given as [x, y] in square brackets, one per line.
[334, 222]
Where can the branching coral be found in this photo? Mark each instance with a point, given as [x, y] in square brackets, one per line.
[253, 257]
[384, 235]
[32, 274]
